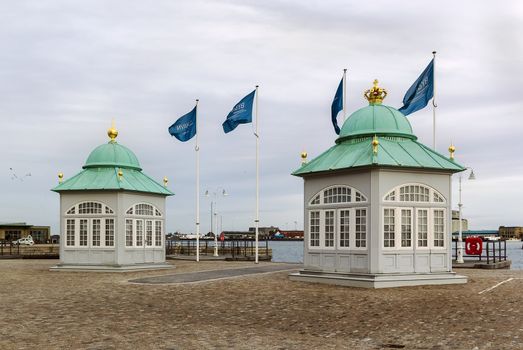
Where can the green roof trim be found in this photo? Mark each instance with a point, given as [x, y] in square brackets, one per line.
[106, 178]
[392, 152]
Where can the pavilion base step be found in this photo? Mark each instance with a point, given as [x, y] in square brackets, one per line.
[111, 268]
[385, 280]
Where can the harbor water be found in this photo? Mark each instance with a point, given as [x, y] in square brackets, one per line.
[292, 251]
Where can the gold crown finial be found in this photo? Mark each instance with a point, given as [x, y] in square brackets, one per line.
[375, 95]
[375, 144]
[303, 156]
[60, 177]
[165, 181]
[120, 174]
[452, 149]
[112, 132]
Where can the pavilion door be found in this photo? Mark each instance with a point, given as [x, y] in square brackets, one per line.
[144, 239]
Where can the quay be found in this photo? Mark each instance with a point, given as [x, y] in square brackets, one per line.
[82, 310]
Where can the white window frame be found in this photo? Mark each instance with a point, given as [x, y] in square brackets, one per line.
[445, 233]
[321, 195]
[414, 228]
[76, 210]
[144, 245]
[89, 245]
[323, 231]
[417, 231]
[352, 228]
[399, 229]
[337, 228]
[157, 213]
[319, 229]
[396, 199]
[382, 229]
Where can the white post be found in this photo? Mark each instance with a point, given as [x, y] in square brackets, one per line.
[434, 105]
[344, 94]
[257, 219]
[459, 258]
[197, 149]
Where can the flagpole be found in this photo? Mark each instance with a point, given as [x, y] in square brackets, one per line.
[344, 93]
[197, 149]
[434, 105]
[257, 219]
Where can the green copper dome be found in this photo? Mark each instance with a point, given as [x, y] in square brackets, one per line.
[376, 119]
[112, 154]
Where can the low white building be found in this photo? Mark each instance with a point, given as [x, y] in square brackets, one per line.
[377, 205]
[112, 215]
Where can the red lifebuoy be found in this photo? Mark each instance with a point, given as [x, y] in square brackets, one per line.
[473, 246]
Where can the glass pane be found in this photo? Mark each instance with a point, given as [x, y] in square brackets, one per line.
[361, 228]
[314, 228]
[406, 228]
[344, 228]
[329, 228]
[423, 228]
[389, 228]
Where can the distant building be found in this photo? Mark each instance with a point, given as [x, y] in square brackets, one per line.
[455, 222]
[478, 233]
[238, 234]
[294, 234]
[264, 232]
[511, 232]
[13, 231]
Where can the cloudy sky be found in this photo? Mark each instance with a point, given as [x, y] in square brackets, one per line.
[67, 68]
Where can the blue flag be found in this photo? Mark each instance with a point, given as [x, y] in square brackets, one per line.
[240, 114]
[184, 128]
[337, 106]
[420, 93]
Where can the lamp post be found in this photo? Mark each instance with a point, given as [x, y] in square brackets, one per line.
[214, 221]
[459, 258]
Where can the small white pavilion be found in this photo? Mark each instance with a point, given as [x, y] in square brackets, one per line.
[112, 215]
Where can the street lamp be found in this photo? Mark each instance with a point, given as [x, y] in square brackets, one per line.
[214, 222]
[459, 258]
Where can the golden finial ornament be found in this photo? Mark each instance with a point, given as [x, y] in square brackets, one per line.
[303, 156]
[375, 144]
[165, 181]
[375, 95]
[112, 132]
[60, 178]
[452, 149]
[120, 174]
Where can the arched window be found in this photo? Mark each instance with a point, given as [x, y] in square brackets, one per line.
[417, 193]
[143, 209]
[338, 195]
[89, 208]
[89, 224]
[143, 226]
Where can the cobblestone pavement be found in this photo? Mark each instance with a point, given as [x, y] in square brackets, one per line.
[42, 310]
